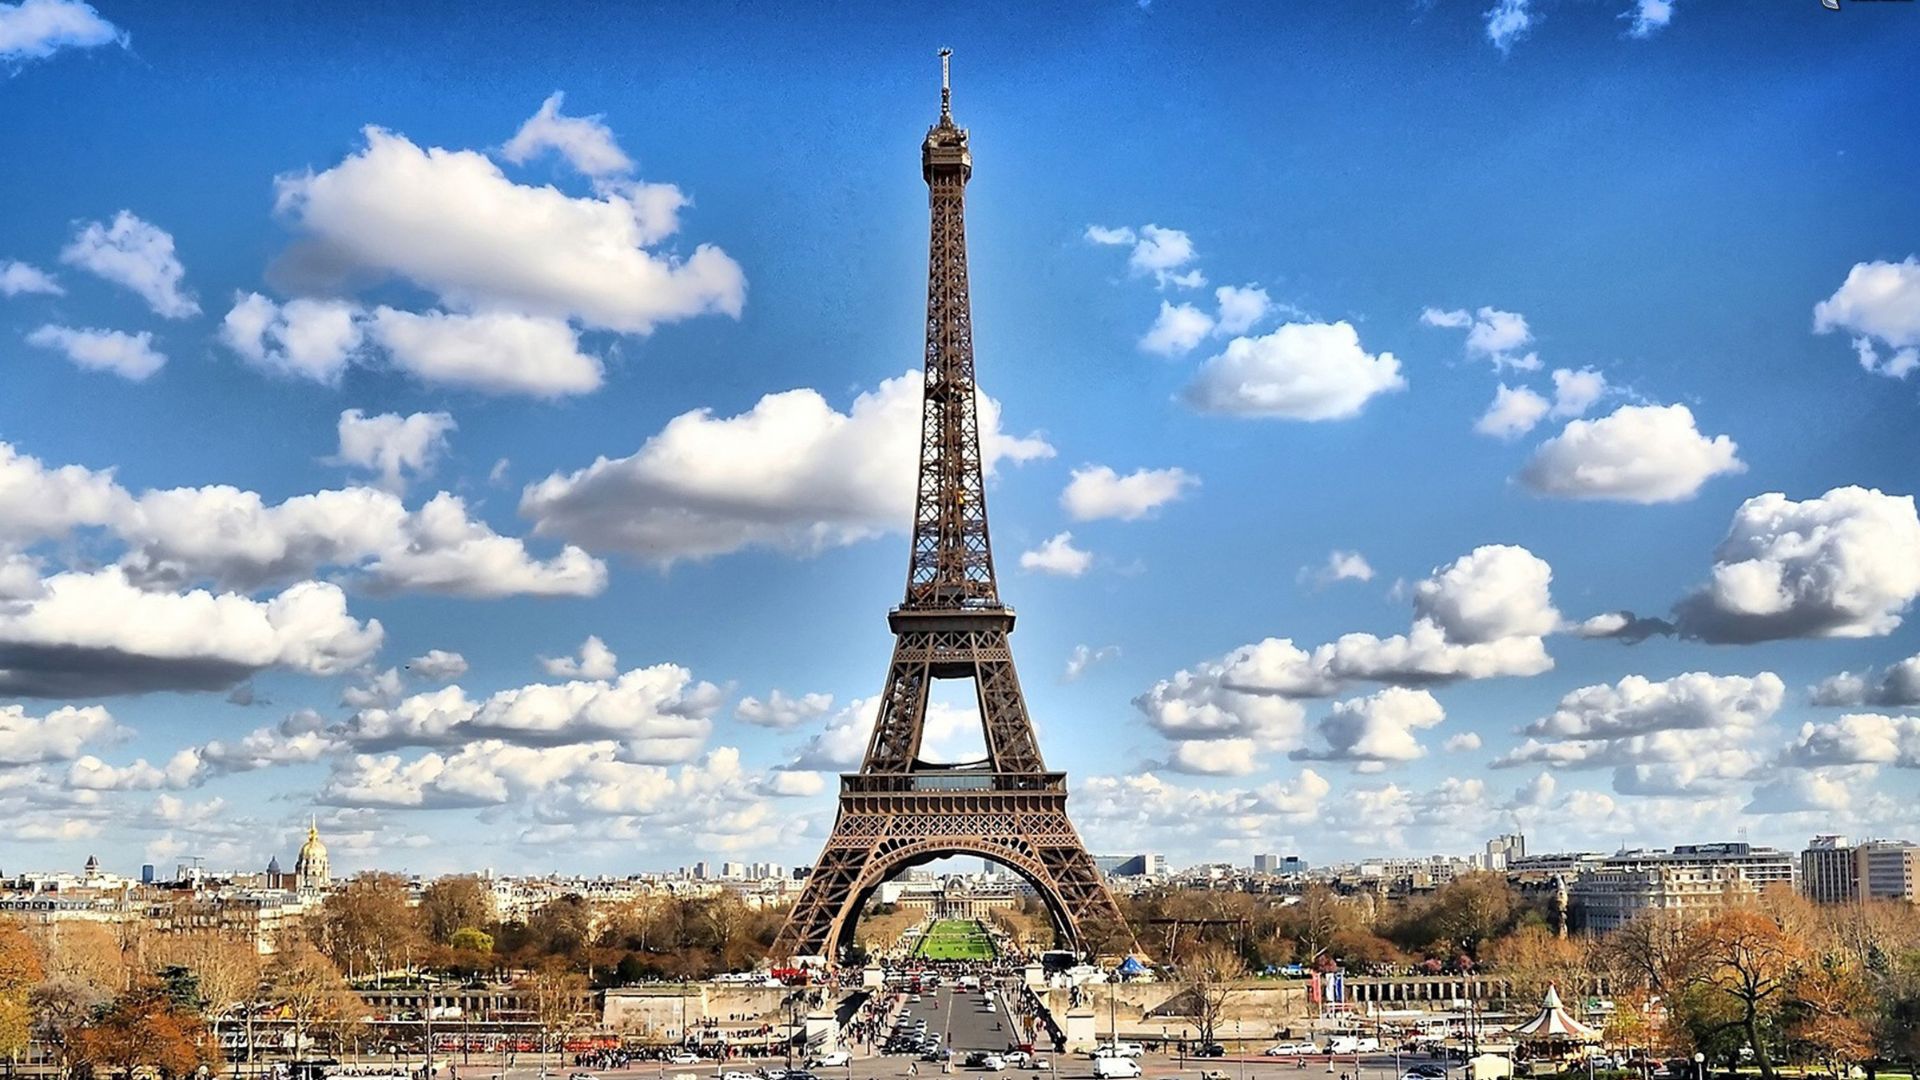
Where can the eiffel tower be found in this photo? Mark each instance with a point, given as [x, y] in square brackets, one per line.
[899, 811]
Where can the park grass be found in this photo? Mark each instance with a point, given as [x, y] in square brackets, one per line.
[955, 939]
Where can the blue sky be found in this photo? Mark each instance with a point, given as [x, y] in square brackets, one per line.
[1459, 329]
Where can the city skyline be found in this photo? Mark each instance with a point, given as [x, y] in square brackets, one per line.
[1401, 425]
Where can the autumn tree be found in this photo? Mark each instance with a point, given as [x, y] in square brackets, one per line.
[227, 970]
[309, 989]
[1533, 957]
[452, 904]
[20, 970]
[368, 927]
[1743, 956]
[1206, 972]
[61, 1006]
[1830, 1004]
[145, 1027]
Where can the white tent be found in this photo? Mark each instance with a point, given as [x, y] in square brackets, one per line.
[1555, 1024]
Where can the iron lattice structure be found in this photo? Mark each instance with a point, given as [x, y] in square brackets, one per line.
[900, 811]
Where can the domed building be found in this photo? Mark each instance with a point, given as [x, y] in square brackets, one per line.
[310, 870]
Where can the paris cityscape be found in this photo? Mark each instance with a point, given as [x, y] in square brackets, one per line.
[1452, 473]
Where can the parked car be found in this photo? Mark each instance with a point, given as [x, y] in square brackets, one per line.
[1210, 1050]
[1215, 1074]
[1114, 1067]
[731, 1074]
[683, 1057]
[1291, 1049]
[1353, 1044]
[832, 1059]
[1117, 1049]
[1432, 1070]
[994, 1063]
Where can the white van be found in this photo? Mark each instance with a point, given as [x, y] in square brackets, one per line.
[1108, 1067]
[1353, 1044]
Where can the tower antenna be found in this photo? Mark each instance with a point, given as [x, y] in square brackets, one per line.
[946, 84]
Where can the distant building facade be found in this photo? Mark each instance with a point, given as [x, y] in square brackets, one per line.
[1836, 871]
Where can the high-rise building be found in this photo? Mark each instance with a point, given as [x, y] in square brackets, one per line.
[146, 873]
[1833, 871]
[1503, 851]
[1691, 879]
[1266, 864]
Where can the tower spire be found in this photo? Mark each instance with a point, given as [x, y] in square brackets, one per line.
[946, 85]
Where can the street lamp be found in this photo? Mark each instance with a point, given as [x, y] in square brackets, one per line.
[1700, 1064]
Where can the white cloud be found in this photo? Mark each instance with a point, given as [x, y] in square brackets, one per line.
[438, 665]
[1898, 686]
[1878, 301]
[1639, 453]
[1096, 491]
[791, 474]
[1496, 591]
[1377, 730]
[1574, 392]
[782, 711]
[36, 29]
[37, 502]
[1120, 236]
[842, 743]
[1057, 556]
[393, 446]
[1215, 757]
[1300, 371]
[1824, 793]
[1466, 740]
[1177, 330]
[1240, 308]
[130, 356]
[17, 278]
[492, 352]
[1085, 656]
[1157, 252]
[1648, 16]
[303, 338]
[1492, 335]
[1145, 810]
[89, 773]
[1514, 412]
[380, 691]
[656, 715]
[1507, 22]
[1671, 736]
[97, 633]
[1846, 564]
[1340, 566]
[1858, 739]
[138, 255]
[58, 736]
[584, 141]
[451, 222]
[595, 661]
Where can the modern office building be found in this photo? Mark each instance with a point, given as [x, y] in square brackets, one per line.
[1689, 879]
[1835, 871]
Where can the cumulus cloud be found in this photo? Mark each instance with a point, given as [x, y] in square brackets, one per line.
[1898, 686]
[130, 356]
[18, 278]
[1375, 731]
[1057, 556]
[585, 142]
[438, 665]
[1574, 392]
[654, 715]
[451, 222]
[1464, 741]
[1240, 307]
[98, 633]
[393, 446]
[791, 474]
[842, 743]
[1097, 491]
[1879, 302]
[60, 735]
[782, 711]
[1647, 16]
[135, 254]
[1085, 656]
[1492, 335]
[1845, 564]
[1639, 453]
[38, 502]
[1508, 21]
[1143, 808]
[1300, 371]
[1340, 566]
[595, 661]
[36, 29]
[303, 338]
[1514, 412]
[1857, 739]
[1495, 591]
[1177, 330]
[492, 352]
[1669, 736]
[1156, 252]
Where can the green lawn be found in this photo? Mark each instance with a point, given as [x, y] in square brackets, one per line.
[955, 939]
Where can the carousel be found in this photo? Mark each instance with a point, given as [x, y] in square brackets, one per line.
[1554, 1034]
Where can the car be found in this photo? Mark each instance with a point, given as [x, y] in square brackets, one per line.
[934, 1054]
[990, 1006]
[832, 1059]
[1114, 1067]
[994, 1063]
[1214, 1074]
[915, 999]
[1041, 1064]
[1433, 1070]
[1017, 1058]
[799, 1074]
[1213, 1049]
[1291, 1049]
[683, 1057]
[975, 1059]
[1118, 1049]
[582, 1076]
[731, 1074]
